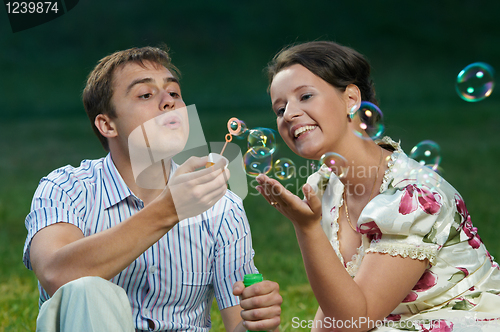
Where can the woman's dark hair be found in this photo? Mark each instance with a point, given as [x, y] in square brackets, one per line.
[336, 64]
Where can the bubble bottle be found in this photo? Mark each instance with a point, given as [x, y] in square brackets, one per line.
[250, 279]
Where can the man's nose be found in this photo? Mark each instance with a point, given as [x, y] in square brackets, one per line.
[167, 102]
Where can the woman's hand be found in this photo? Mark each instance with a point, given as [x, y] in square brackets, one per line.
[302, 213]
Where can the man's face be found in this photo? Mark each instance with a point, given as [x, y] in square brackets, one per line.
[148, 98]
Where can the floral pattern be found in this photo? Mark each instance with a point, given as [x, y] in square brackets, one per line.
[464, 270]
[371, 230]
[412, 220]
[469, 230]
[426, 281]
[495, 264]
[393, 318]
[438, 326]
[415, 196]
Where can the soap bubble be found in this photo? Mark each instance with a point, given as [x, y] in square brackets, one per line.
[427, 153]
[284, 168]
[234, 125]
[427, 177]
[475, 82]
[370, 121]
[335, 163]
[237, 127]
[257, 161]
[261, 138]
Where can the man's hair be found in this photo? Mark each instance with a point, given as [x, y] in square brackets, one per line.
[99, 88]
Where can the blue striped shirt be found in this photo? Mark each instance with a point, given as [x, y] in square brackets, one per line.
[173, 283]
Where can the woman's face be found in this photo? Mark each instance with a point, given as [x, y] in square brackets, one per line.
[311, 114]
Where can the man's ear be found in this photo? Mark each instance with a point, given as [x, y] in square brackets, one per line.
[105, 125]
[353, 98]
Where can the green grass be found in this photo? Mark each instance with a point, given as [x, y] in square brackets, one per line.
[31, 147]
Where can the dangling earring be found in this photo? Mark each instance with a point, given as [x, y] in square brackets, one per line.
[352, 111]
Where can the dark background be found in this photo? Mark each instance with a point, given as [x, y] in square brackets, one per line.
[221, 47]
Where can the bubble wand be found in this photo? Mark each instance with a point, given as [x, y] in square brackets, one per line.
[235, 128]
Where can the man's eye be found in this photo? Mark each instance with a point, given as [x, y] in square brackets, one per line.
[145, 96]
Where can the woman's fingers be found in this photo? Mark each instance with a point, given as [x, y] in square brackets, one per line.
[273, 191]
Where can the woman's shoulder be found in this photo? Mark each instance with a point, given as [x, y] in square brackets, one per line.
[405, 173]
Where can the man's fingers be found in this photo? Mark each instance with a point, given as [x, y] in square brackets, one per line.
[202, 176]
[262, 312]
[262, 294]
[192, 164]
[261, 304]
[238, 288]
[262, 319]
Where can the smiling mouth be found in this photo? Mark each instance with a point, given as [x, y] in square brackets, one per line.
[303, 130]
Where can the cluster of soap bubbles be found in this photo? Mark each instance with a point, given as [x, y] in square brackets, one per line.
[261, 144]
[475, 82]
[261, 149]
[428, 154]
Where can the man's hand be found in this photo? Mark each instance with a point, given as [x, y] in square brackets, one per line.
[261, 303]
[192, 191]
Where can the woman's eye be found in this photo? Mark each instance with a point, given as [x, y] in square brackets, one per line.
[174, 94]
[145, 96]
[280, 111]
[306, 96]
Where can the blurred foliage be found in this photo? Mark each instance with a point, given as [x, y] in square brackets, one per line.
[222, 46]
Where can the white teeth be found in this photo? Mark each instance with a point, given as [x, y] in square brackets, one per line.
[302, 130]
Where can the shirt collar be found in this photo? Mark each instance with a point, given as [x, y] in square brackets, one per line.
[116, 190]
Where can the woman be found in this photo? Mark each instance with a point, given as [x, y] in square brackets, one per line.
[395, 255]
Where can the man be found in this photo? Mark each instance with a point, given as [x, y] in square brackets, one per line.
[167, 252]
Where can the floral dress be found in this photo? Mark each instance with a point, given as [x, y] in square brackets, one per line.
[419, 215]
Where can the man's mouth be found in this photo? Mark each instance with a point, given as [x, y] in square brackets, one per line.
[171, 122]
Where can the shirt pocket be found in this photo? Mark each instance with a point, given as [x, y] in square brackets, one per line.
[197, 293]
[197, 278]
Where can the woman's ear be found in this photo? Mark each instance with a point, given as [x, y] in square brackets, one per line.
[353, 99]
[105, 126]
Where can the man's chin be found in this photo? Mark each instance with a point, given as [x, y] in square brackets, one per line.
[166, 153]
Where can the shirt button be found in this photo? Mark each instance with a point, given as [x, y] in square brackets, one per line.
[152, 269]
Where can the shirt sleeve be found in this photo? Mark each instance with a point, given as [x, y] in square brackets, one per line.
[411, 221]
[51, 204]
[234, 253]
